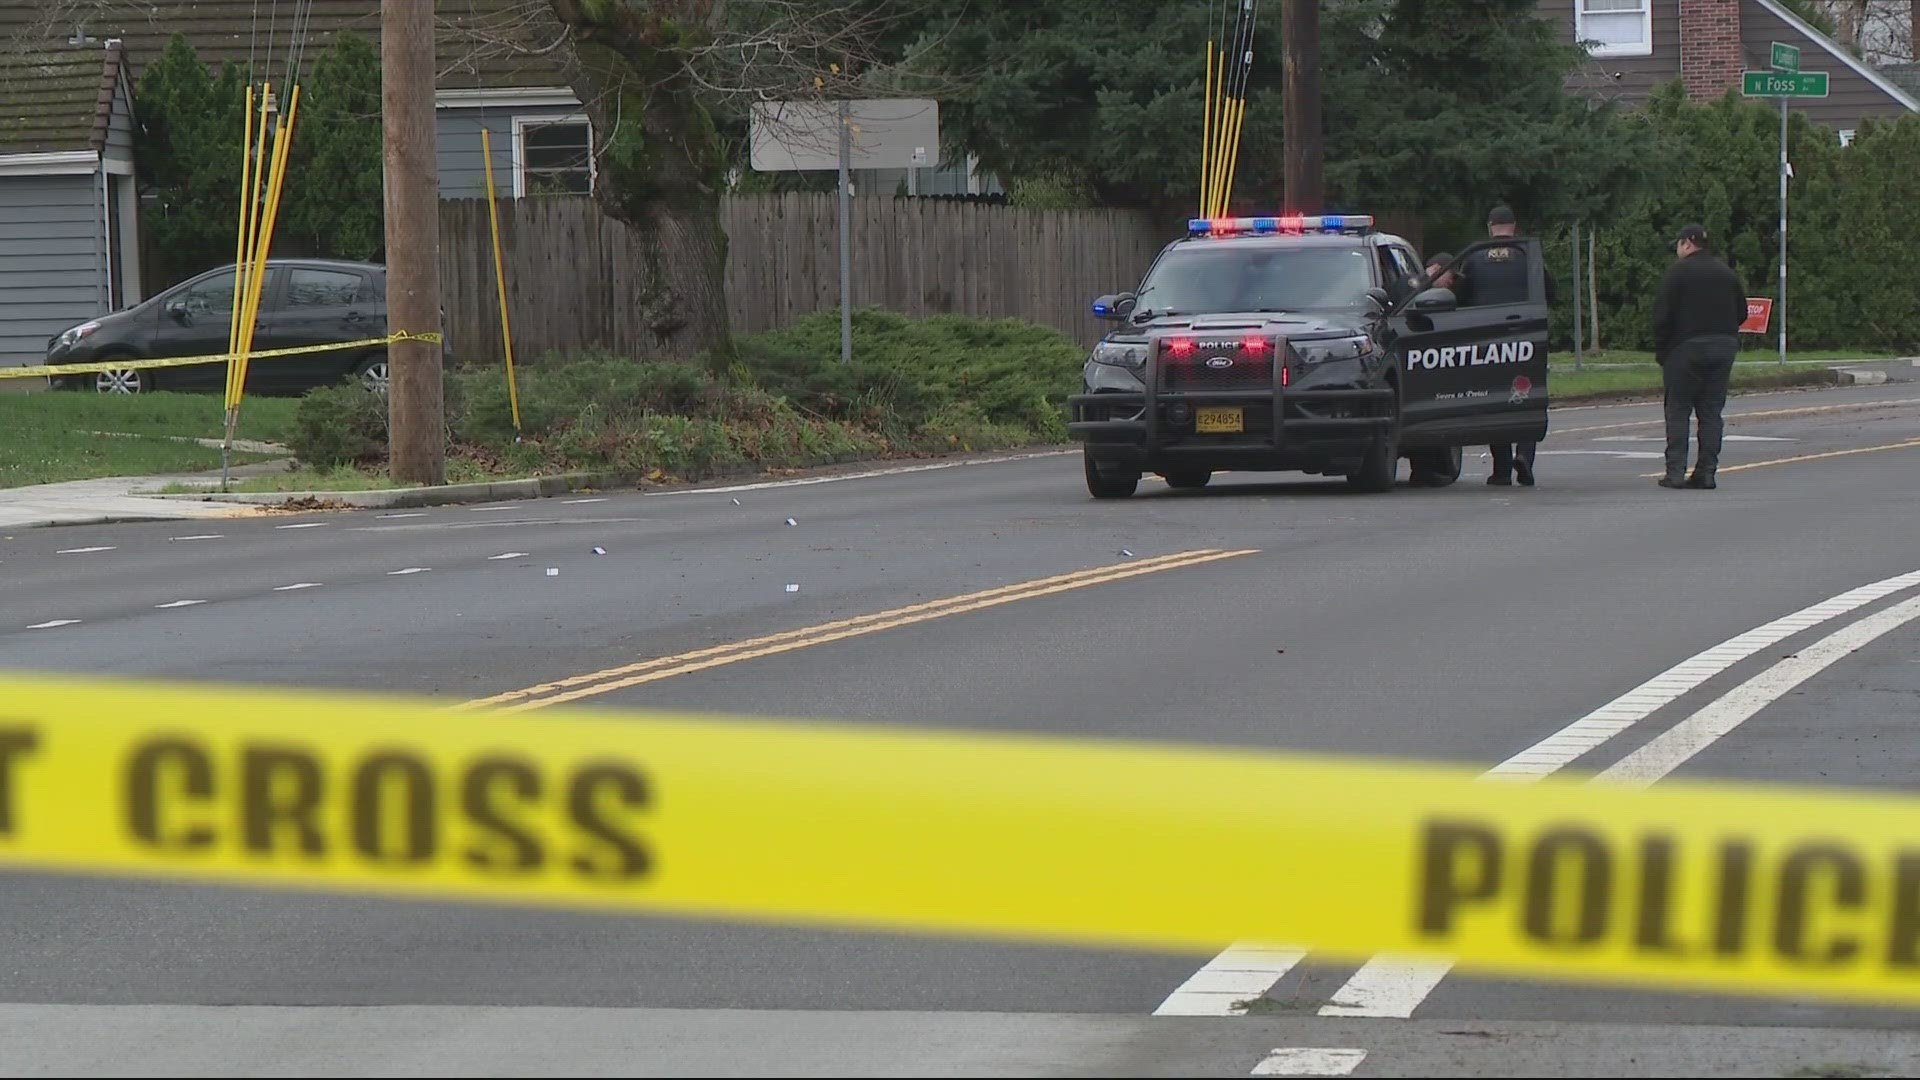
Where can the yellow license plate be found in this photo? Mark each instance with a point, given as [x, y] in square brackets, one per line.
[1218, 421]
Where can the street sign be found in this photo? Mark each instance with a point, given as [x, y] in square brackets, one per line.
[1785, 57]
[1759, 314]
[1784, 84]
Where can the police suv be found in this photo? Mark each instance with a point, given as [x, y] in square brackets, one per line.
[1308, 344]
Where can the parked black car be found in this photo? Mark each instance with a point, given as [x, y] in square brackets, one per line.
[302, 302]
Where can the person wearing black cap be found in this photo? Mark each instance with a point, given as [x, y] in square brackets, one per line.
[1696, 335]
[1499, 276]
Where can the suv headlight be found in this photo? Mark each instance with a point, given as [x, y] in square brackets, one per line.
[1121, 354]
[1321, 350]
[75, 335]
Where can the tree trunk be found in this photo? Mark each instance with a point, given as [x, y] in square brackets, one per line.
[659, 159]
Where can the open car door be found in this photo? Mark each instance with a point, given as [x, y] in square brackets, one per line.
[1474, 374]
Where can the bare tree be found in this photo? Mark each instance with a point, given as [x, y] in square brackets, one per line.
[653, 74]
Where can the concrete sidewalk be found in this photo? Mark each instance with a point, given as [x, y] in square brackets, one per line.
[94, 502]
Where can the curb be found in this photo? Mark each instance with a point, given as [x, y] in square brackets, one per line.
[444, 495]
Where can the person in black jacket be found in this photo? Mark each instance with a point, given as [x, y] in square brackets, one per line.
[1696, 335]
[1501, 276]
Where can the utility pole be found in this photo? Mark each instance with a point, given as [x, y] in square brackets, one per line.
[1300, 40]
[416, 410]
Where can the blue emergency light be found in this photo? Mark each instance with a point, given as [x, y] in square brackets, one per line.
[1266, 226]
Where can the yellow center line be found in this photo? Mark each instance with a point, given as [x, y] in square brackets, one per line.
[1908, 445]
[1759, 414]
[592, 683]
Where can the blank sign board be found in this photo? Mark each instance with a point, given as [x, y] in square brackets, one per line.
[897, 133]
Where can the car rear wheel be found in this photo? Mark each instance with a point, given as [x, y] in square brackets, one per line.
[1110, 482]
[1188, 478]
[1437, 467]
[372, 373]
[122, 380]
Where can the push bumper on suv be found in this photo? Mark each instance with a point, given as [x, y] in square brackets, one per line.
[1185, 414]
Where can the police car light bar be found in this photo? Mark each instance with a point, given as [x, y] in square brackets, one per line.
[1331, 223]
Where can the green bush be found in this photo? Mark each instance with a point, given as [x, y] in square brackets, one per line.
[340, 425]
[908, 371]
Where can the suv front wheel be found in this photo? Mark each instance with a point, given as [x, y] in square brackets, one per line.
[1109, 483]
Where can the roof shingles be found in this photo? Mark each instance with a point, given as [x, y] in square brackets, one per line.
[59, 99]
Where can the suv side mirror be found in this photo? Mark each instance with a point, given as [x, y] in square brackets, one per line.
[1113, 306]
[1436, 300]
[1380, 298]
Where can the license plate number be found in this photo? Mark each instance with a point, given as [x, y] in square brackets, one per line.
[1218, 421]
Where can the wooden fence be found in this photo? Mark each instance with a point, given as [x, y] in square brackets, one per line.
[569, 282]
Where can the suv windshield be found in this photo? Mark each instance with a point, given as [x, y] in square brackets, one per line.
[1199, 280]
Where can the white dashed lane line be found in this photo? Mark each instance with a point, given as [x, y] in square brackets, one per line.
[178, 604]
[409, 570]
[202, 536]
[507, 555]
[303, 525]
[391, 516]
[488, 509]
[51, 623]
[83, 551]
[582, 502]
[296, 586]
[1310, 1061]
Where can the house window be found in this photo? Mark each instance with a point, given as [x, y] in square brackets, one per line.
[1846, 137]
[552, 156]
[1614, 27]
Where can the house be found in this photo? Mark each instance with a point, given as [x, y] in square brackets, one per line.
[69, 238]
[1636, 45]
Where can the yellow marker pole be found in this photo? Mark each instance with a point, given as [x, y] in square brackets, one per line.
[241, 270]
[500, 277]
[240, 241]
[1206, 129]
[275, 178]
[1219, 129]
[1233, 153]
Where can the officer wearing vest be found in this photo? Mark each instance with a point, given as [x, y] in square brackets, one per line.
[1500, 276]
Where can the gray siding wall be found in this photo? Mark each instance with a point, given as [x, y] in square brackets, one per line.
[49, 269]
[462, 170]
[120, 127]
[1637, 75]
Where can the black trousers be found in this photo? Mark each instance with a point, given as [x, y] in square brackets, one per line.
[1503, 456]
[1695, 374]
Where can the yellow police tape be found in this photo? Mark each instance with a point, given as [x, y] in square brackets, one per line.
[44, 370]
[1736, 887]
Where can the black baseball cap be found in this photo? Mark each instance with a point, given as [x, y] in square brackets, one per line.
[1500, 215]
[1692, 234]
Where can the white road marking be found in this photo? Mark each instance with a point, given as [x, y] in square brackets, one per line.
[409, 570]
[178, 604]
[202, 536]
[581, 502]
[1388, 985]
[1242, 973]
[400, 515]
[507, 555]
[1558, 750]
[903, 470]
[53, 623]
[1662, 438]
[304, 525]
[84, 550]
[1675, 746]
[1640, 454]
[297, 586]
[1310, 1061]
[489, 509]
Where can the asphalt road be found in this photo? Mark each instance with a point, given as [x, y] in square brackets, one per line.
[1468, 625]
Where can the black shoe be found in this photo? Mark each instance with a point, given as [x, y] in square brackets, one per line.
[1673, 480]
[1500, 481]
[1523, 471]
[1701, 481]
